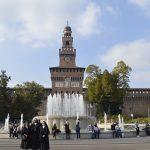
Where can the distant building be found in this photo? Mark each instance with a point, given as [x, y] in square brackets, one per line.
[67, 77]
[137, 102]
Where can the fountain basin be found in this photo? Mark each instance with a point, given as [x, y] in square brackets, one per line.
[60, 121]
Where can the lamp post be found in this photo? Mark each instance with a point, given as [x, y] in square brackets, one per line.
[132, 116]
[148, 115]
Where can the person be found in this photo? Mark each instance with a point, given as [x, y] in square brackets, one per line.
[24, 137]
[15, 131]
[54, 130]
[113, 129]
[147, 129]
[11, 130]
[35, 130]
[137, 129]
[67, 130]
[118, 131]
[44, 136]
[96, 131]
[78, 129]
[29, 135]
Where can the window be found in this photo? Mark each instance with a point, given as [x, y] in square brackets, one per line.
[67, 42]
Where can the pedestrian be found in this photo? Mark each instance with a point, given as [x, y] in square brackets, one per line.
[96, 131]
[113, 130]
[35, 130]
[118, 131]
[11, 131]
[44, 136]
[54, 130]
[137, 129]
[29, 125]
[67, 130]
[147, 129]
[78, 129]
[15, 131]
[24, 137]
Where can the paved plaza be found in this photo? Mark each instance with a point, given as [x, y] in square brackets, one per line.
[101, 144]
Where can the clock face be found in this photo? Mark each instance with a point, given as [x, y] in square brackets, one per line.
[67, 59]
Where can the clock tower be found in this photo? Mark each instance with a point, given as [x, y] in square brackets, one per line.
[67, 77]
[67, 53]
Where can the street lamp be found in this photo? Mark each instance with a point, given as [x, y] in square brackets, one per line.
[132, 116]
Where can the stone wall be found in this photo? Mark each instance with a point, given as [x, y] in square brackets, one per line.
[137, 102]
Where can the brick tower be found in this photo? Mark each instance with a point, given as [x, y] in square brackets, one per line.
[67, 77]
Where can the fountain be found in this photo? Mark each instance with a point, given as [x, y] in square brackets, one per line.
[66, 107]
[105, 121]
[122, 125]
[119, 121]
[21, 121]
[47, 121]
[6, 126]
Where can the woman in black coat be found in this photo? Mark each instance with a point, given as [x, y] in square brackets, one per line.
[35, 134]
[54, 130]
[24, 137]
[44, 137]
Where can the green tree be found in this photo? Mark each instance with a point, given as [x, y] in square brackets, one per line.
[106, 89]
[27, 98]
[5, 100]
[122, 73]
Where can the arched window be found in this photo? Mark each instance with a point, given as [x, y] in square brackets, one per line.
[67, 42]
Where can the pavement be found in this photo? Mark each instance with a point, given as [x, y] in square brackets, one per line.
[139, 143]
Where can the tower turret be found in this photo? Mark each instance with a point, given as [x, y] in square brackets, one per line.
[67, 78]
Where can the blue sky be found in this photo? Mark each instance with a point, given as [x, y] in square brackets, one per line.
[104, 31]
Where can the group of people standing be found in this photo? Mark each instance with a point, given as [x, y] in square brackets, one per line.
[95, 130]
[35, 136]
[55, 130]
[14, 130]
[116, 130]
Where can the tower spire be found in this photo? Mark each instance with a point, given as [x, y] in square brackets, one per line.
[67, 22]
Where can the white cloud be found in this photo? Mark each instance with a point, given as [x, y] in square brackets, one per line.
[143, 4]
[111, 10]
[88, 21]
[39, 22]
[136, 54]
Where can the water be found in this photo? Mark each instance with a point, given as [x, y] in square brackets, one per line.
[67, 105]
[119, 121]
[21, 121]
[105, 121]
[6, 127]
[122, 127]
[77, 115]
[47, 121]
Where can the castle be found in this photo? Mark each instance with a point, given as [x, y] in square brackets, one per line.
[68, 78]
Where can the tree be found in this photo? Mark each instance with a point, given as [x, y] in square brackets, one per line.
[122, 73]
[93, 72]
[5, 100]
[27, 98]
[106, 89]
